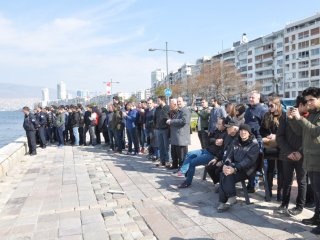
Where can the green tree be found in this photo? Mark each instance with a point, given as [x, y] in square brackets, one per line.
[160, 91]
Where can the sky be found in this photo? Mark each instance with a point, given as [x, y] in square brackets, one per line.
[87, 42]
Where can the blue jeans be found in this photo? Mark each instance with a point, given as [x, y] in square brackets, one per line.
[111, 138]
[133, 138]
[60, 136]
[75, 131]
[193, 159]
[119, 139]
[163, 144]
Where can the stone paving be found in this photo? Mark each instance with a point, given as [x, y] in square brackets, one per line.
[87, 193]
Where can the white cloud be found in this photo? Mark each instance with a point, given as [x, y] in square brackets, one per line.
[77, 49]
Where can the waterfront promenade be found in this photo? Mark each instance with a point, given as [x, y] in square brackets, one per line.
[86, 193]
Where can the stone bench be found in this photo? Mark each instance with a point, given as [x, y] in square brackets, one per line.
[11, 155]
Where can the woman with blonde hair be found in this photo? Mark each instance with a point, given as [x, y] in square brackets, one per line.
[269, 127]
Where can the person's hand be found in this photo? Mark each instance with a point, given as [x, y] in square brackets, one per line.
[208, 110]
[227, 170]
[291, 156]
[271, 136]
[168, 121]
[289, 114]
[297, 155]
[212, 162]
[219, 142]
[219, 164]
[296, 114]
[195, 109]
[142, 110]
[124, 114]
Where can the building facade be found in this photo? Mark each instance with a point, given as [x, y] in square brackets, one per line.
[61, 91]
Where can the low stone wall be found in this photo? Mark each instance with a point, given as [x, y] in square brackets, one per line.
[11, 155]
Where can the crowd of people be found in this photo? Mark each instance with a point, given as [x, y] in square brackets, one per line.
[235, 140]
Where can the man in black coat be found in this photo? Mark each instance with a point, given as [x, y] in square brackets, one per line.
[30, 125]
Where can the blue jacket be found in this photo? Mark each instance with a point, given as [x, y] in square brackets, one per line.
[131, 119]
[253, 117]
[216, 113]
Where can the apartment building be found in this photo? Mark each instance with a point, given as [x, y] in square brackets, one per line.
[302, 55]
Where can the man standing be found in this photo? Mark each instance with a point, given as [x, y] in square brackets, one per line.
[311, 146]
[150, 132]
[179, 133]
[161, 115]
[75, 120]
[81, 123]
[60, 124]
[42, 120]
[30, 125]
[253, 117]
[216, 113]
[203, 123]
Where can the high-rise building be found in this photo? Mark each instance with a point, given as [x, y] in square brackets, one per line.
[45, 94]
[140, 95]
[61, 91]
[301, 55]
[147, 93]
[156, 77]
[83, 93]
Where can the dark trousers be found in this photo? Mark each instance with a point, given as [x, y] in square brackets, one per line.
[203, 137]
[98, 135]
[315, 180]
[288, 168]
[119, 139]
[214, 172]
[32, 144]
[270, 173]
[111, 138]
[178, 154]
[60, 136]
[163, 144]
[133, 138]
[42, 136]
[49, 134]
[81, 141]
[228, 185]
[106, 136]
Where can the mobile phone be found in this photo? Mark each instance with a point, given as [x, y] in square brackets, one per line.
[291, 108]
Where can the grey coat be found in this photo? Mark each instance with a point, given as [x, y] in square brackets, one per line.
[180, 128]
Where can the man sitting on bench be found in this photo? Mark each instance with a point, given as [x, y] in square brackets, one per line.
[214, 167]
[240, 164]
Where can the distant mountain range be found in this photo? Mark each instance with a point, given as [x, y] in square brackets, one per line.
[8, 90]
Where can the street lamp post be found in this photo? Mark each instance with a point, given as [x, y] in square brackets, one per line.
[166, 50]
[111, 82]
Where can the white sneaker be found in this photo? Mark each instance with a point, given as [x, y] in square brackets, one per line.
[231, 201]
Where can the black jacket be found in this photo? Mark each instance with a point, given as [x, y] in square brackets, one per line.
[287, 140]
[253, 117]
[217, 151]
[42, 119]
[228, 145]
[30, 122]
[244, 155]
[160, 117]
[87, 115]
[102, 119]
[74, 119]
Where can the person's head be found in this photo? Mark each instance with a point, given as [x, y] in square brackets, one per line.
[312, 96]
[128, 106]
[240, 109]
[173, 104]
[26, 110]
[144, 104]
[230, 109]
[110, 108]
[161, 100]
[254, 98]
[245, 132]
[47, 109]
[180, 102]
[89, 108]
[80, 106]
[150, 103]
[301, 104]
[116, 99]
[61, 109]
[215, 102]
[274, 106]
[220, 124]
[204, 103]
[231, 126]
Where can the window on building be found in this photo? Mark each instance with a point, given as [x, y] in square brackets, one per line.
[315, 51]
[286, 49]
[293, 65]
[303, 74]
[293, 94]
[304, 44]
[293, 56]
[304, 54]
[293, 84]
[293, 47]
[279, 71]
[315, 72]
[279, 62]
[315, 83]
[304, 34]
[279, 45]
[250, 60]
[287, 57]
[303, 84]
[259, 65]
[250, 52]
[293, 37]
[286, 40]
[314, 41]
[315, 62]
[249, 68]
[294, 75]
[303, 64]
[314, 31]
[280, 53]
